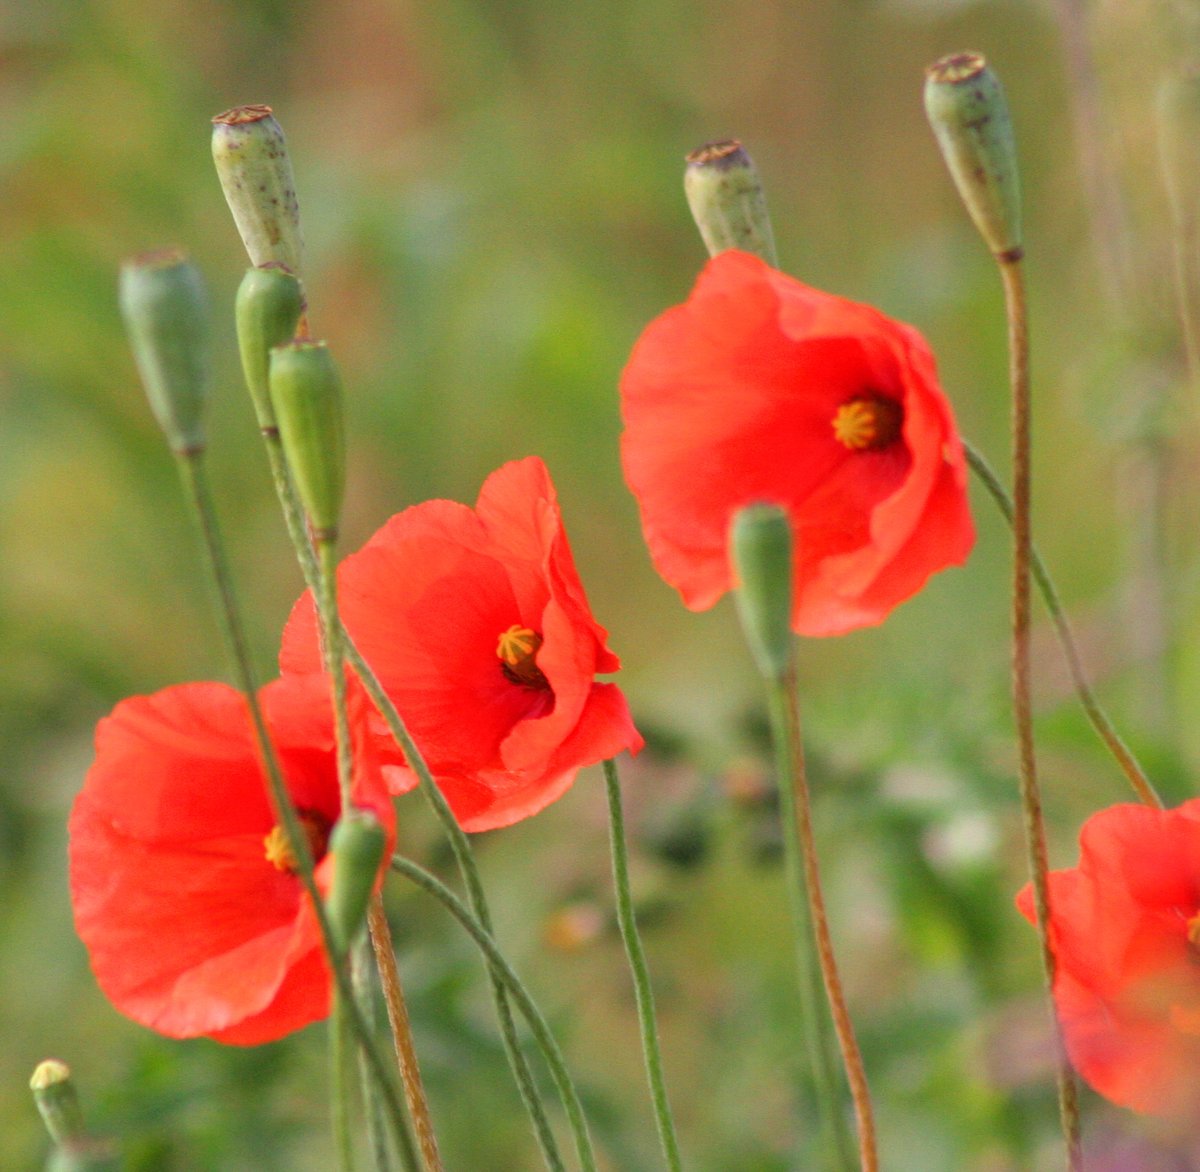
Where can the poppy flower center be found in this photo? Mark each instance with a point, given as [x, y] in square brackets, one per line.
[517, 651]
[279, 854]
[868, 422]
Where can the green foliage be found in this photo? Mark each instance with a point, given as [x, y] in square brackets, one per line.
[492, 203]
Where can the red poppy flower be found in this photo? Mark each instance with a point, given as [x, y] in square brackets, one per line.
[478, 628]
[184, 891]
[760, 389]
[1125, 931]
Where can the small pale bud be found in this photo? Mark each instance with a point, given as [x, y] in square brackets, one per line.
[358, 842]
[165, 309]
[269, 304]
[1179, 147]
[256, 175]
[306, 392]
[969, 115]
[727, 201]
[58, 1104]
[760, 541]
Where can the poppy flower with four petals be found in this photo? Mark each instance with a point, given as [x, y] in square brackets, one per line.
[1125, 931]
[478, 628]
[760, 389]
[184, 891]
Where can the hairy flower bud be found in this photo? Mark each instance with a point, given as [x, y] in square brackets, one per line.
[269, 304]
[357, 843]
[760, 543]
[306, 392]
[165, 309]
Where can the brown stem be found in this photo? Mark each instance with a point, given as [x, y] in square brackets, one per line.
[1031, 801]
[851, 1056]
[406, 1054]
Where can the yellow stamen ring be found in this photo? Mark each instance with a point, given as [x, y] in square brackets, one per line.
[279, 853]
[868, 423]
[517, 651]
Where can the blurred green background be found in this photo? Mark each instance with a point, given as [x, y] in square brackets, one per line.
[492, 201]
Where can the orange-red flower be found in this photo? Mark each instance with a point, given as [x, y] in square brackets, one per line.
[477, 626]
[184, 891]
[1125, 930]
[761, 389]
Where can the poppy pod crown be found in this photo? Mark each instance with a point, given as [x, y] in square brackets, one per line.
[760, 389]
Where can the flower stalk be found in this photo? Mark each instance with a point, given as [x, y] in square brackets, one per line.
[643, 989]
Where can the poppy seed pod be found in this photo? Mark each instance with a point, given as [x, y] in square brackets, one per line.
[256, 175]
[965, 104]
[165, 310]
[727, 201]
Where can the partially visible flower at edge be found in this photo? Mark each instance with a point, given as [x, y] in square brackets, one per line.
[478, 627]
[183, 888]
[760, 389]
[1125, 931]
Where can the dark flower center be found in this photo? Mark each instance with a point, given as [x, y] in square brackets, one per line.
[868, 422]
[517, 652]
[279, 854]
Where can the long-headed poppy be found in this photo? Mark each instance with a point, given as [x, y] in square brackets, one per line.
[184, 890]
[761, 389]
[478, 627]
[1125, 931]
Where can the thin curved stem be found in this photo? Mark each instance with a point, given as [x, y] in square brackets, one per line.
[1100, 721]
[505, 974]
[796, 807]
[643, 989]
[406, 1053]
[195, 482]
[1031, 800]
[459, 845]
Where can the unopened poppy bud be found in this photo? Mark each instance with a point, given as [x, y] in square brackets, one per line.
[306, 392]
[1179, 146]
[256, 175]
[57, 1102]
[358, 842]
[727, 201]
[969, 115]
[165, 309]
[269, 304]
[760, 541]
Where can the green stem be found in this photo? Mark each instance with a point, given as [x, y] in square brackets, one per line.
[339, 1054]
[505, 975]
[1031, 799]
[381, 1153]
[195, 483]
[406, 1050]
[814, 948]
[459, 845]
[1091, 706]
[643, 989]
[335, 660]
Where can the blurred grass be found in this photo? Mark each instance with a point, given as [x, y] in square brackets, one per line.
[491, 194]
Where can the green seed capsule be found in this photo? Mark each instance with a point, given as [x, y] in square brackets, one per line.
[727, 201]
[969, 116]
[306, 392]
[256, 175]
[165, 309]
